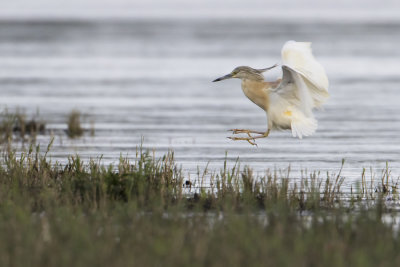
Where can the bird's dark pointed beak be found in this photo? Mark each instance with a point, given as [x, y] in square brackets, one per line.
[228, 76]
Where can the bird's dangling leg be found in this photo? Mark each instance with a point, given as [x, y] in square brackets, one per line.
[251, 139]
[239, 131]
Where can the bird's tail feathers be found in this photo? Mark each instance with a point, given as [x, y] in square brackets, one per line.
[304, 127]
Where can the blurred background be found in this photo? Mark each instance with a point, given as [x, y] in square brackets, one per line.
[143, 69]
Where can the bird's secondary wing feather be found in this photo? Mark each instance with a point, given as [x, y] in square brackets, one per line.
[304, 86]
[294, 90]
[298, 58]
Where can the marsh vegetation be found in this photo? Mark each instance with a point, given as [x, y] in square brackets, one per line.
[16, 125]
[74, 124]
[144, 212]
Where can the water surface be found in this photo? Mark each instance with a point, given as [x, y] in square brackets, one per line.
[135, 78]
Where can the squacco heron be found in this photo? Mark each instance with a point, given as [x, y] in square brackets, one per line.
[288, 101]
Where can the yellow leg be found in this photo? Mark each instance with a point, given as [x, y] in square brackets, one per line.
[251, 139]
[239, 131]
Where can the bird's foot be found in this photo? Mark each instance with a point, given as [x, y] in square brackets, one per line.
[239, 131]
[251, 139]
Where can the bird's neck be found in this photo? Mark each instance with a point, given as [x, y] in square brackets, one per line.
[257, 92]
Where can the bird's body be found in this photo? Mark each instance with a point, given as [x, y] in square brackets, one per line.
[289, 101]
[256, 91]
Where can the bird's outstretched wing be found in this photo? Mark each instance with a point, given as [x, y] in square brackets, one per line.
[304, 85]
[297, 58]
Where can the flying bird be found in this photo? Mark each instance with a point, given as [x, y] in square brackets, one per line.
[289, 101]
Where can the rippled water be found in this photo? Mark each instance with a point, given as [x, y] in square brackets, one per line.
[152, 78]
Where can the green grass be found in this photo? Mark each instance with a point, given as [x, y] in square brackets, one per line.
[16, 126]
[141, 213]
[74, 124]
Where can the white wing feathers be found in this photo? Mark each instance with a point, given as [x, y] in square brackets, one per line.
[304, 85]
[299, 57]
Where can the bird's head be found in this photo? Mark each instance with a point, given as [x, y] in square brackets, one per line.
[244, 72]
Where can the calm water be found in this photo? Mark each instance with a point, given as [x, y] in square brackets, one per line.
[152, 78]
